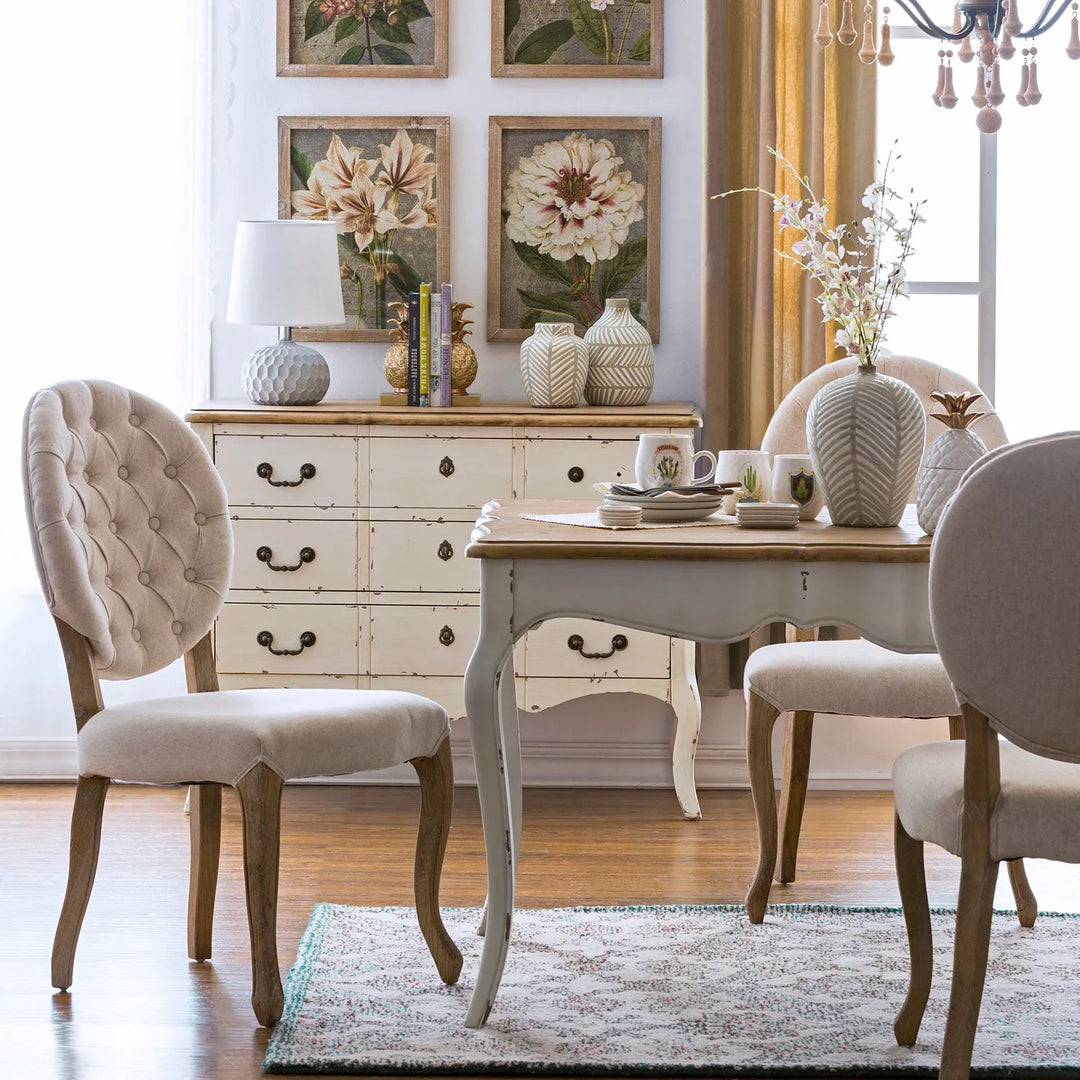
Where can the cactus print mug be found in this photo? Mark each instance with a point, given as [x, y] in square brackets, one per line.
[665, 461]
[750, 468]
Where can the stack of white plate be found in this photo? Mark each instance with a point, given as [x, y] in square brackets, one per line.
[625, 517]
[767, 515]
[670, 505]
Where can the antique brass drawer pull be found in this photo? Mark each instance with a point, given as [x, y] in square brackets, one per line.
[264, 554]
[265, 470]
[266, 640]
[576, 643]
[446, 636]
[446, 466]
[575, 474]
[446, 551]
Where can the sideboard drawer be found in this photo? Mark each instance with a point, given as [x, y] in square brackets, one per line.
[424, 556]
[440, 472]
[269, 470]
[422, 640]
[309, 639]
[568, 468]
[559, 647]
[303, 554]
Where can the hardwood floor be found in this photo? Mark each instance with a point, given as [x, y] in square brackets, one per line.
[139, 1009]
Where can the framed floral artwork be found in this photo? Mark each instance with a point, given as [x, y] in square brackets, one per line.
[578, 38]
[573, 218]
[356, 38]
[386, 181]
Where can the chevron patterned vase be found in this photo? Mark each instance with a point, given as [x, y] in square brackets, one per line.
[865, 433]
[554, 364]
[620, 358]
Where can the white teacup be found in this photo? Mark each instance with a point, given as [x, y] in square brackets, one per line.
[669, 460]
[793, 480]
[750, 468]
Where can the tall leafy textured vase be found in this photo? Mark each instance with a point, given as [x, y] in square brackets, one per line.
[865, 433]
[554, 364]
[620, 358]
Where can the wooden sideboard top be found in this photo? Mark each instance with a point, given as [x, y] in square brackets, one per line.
[503, 533]
[492, 414]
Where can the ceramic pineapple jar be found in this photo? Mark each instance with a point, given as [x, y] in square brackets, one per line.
[949, 457]
[620, 358]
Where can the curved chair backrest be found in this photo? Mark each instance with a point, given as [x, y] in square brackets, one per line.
[786, 433]
[1005, 593]
[129, 523]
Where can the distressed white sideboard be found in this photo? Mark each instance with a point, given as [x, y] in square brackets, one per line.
[351, 521]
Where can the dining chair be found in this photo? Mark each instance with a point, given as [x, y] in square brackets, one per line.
[841, 677]
[1004, 591]
[130, 529]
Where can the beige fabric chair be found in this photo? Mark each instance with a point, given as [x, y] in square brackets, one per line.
[1005, 608]
[848, 678]
[131, 534]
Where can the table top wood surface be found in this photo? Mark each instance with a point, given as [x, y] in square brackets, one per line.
[503, 533]
[682, 414]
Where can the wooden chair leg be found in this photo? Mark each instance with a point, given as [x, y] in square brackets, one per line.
[1027, 906]
[760, 718]
[204, 808]
[82, 865]
[260, 803]
[436, 775]
[974, 909]
[911, 877]
[796, 773]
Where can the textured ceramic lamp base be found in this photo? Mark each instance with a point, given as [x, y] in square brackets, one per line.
[286, 373]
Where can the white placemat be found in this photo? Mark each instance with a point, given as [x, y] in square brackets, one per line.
[591, 520]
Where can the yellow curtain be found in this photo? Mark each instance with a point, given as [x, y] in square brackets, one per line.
[768, 84]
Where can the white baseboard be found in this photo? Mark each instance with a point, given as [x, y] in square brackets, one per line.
[544, 764]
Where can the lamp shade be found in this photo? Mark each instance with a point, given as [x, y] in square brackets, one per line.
[285, 273]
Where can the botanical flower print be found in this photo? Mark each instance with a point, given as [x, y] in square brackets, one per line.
[573, 218]
[362, 32]
[615, 32]
[385, 207]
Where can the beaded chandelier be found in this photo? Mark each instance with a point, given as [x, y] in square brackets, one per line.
[984, 31]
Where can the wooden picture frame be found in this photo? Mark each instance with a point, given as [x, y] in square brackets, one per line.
[546, 274]
[405, 172]
[624, 41]
[312, 45]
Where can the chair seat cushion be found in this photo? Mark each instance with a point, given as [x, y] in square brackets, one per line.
[221, 736]
[851, 678]
[1037, 814]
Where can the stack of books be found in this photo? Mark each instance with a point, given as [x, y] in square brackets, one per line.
[430, 346]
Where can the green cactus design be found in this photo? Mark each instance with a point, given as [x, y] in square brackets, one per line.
[667, 468]
[752, 482]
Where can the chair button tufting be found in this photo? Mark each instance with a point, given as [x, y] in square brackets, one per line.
[200, 519]
[86, 477]
[93, 424]
[170, 471]
[189, 574]
[122, 473]
[178, 628]
[113, 527]
[135, 635]
[154, 524]
[144, 578]
[108, 581]
[133, 420]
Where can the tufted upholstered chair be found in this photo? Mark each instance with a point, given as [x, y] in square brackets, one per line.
[1004, 591]
[130, 529]
[845, 677]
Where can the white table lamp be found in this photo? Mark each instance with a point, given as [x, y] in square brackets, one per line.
[285, 274]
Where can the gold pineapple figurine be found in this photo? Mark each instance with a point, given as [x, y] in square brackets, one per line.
[396, 364]
[462, 358]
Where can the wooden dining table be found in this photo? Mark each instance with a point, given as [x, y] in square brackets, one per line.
[702, 582]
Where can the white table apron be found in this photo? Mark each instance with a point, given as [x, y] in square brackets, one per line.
[698, 600]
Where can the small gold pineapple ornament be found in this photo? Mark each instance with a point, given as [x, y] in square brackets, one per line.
[463, 364]
[949, 457]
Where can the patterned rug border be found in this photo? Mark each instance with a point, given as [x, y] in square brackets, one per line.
[322, 914]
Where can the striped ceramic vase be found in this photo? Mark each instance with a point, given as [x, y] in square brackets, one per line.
[554, 363]
[865, 433]
[620, 358]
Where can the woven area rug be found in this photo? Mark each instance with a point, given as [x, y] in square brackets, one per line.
[669, 991]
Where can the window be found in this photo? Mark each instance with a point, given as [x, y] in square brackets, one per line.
[996, 277]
